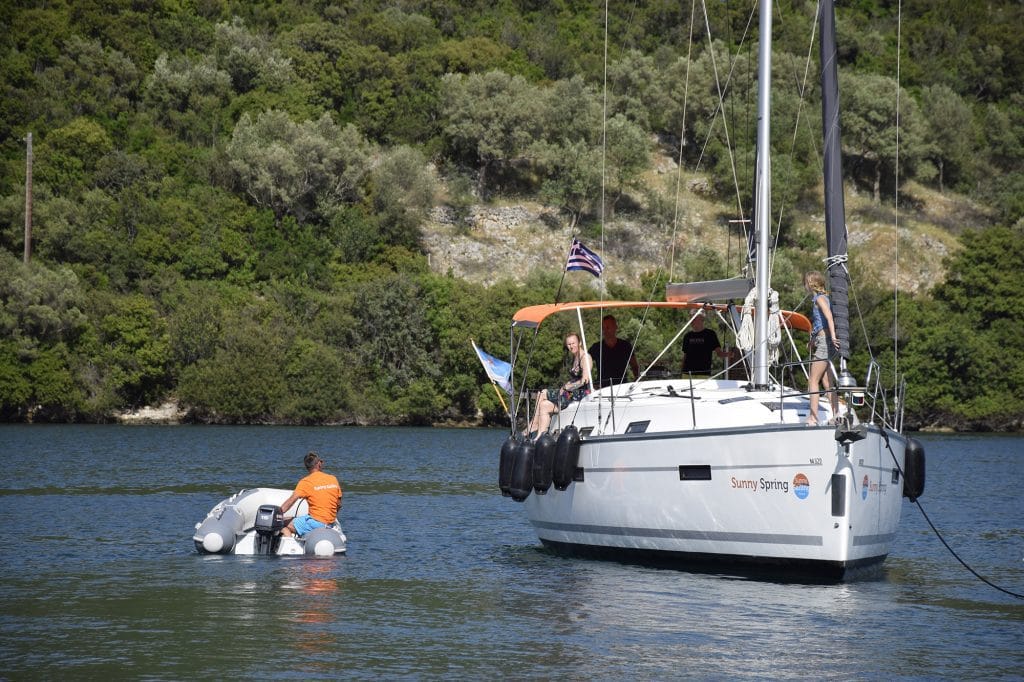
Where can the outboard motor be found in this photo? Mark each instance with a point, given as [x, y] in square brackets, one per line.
[508, 457]
[269, 522]
[522, 472]
[567, 452]
[543, 461]
[913, 470]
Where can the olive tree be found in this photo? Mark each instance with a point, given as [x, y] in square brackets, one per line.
[291, 167]
[492, 119]
[876, 133]
[952, 129]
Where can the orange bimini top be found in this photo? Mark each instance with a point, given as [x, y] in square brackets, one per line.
[532, 316]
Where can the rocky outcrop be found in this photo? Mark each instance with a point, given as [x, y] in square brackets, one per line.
[167, 413]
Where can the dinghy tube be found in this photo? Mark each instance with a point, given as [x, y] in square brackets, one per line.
[218, 532]
[323, 542]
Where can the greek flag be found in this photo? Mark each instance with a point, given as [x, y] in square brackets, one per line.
[582, 258]
[498, 371]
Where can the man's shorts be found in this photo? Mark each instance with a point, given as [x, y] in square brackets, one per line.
[305, 523]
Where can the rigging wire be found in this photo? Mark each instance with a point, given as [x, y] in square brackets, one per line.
[801, 89]
[721, 107]
[682, 146]
[896, 250]
[604, 136]
[604, 156]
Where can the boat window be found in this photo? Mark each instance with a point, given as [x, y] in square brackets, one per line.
[694, 472]
[838, 495]
[586, 431]
[638, 427]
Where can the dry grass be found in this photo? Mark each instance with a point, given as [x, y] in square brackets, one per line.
[510, 240]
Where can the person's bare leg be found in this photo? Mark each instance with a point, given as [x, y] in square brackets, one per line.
[537, 408]
[548, 409]
[813, 385]
[833, 395]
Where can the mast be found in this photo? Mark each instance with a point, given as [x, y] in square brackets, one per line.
[835, 210]
[762, 198]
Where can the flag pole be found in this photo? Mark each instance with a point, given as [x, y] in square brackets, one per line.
[562, 281]
[498, 393]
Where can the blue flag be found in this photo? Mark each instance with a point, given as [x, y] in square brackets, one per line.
[498, 371]
[582, 258]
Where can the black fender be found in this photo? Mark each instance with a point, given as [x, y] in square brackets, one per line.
[567, 454]
[522, 472]
[543, 463]
[508, 456]
[913, 470]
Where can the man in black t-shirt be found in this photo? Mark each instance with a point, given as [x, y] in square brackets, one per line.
[613, 355]
[698, 346]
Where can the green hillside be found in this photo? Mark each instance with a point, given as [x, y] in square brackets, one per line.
[301, 212]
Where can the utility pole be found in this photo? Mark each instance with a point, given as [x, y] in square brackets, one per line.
[28, 199]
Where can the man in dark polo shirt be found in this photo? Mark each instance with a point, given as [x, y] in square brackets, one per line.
[613, 355]
[699, 344]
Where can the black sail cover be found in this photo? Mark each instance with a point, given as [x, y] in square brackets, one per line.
[835, 210]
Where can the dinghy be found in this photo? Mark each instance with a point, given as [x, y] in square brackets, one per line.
[250, 522]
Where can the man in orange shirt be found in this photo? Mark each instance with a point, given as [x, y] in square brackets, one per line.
[323, 494]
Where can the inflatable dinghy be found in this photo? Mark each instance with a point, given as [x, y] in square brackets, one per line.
[250, 522]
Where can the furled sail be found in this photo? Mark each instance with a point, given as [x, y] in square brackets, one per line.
[835, 210]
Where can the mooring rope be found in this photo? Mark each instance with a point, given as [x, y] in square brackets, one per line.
[935, 530]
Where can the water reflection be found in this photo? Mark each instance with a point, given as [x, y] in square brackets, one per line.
[320, 594]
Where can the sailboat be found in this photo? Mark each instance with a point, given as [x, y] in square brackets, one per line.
[724, 474]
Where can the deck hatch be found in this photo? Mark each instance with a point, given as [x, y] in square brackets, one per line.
[775, 405]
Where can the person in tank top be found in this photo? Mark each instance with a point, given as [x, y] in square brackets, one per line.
[554, 400]
[823, 341]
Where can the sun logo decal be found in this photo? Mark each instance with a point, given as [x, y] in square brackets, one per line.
[801, 486]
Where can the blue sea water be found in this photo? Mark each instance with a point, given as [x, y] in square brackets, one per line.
[444, 578]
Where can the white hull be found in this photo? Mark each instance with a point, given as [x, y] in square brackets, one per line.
[751, 484]
[228, 528]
